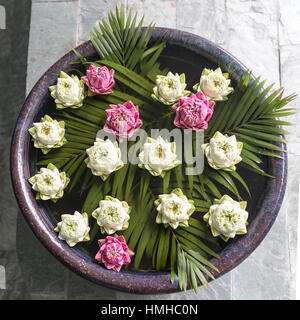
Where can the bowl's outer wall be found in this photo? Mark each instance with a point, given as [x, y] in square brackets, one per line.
[38, 219]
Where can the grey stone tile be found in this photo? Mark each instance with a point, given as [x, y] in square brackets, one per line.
[53, 33]
[252, 36]
[293, 239]
[43, 273]
[13, 59]
[162, 13]
[39, 296]
[292, 205]
[205, 18]
[8, 217]
[265, 274]
[15, 286]
[257, 47]
[91, 12]
[43, 1]
[220, 289]
[82, 289]
[290, 66]
[289, 11]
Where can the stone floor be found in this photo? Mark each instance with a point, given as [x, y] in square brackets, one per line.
[263, 34]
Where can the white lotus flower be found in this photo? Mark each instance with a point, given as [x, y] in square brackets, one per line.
[158, 155]
[227, 218]
[112, 215]
[48, 134]
[223, 152]
[49, 183]
[174, 209]
[170, 88]
[73, 228]
[214, 84]
[104, 157]
[68, 92]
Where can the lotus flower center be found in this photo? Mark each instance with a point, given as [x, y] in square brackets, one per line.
[172, 83]
[160, 151]
[113, 252]
[71, 225]
[191, 108]
[218, 82]
[175, 207]
[122, 117]
[46, 129]
[48, 179]
[100, 153]
[111, 214]
[228, 217]
[225, 146]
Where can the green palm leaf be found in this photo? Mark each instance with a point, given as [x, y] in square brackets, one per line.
[120, 41]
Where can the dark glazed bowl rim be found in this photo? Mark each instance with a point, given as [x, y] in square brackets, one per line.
[39, 222]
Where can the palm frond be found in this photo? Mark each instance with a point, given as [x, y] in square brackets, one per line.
[251, 114]
[119, 40]
[189, 256]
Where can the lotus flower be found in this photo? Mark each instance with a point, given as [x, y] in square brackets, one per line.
[170, 88]
[49, 183]
[223, 152]
[214, 84]
[227, 217]
[99, 80]
[114, 252]
[68, 92]
[104, 157]
[193, 112]
[174, 209]
[73, 228]
[122, 119]
[112, 215]
[158, 156]
[48, 134]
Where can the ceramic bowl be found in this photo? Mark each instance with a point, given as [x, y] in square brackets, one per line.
[185, 52]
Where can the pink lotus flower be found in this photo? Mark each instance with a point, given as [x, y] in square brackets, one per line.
[122, 119]
[114, 252]
[99, 80]
[193, 112]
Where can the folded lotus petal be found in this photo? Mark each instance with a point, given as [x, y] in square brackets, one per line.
[98, 256]
[122, 239]
[101, 242]
[117, 269]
